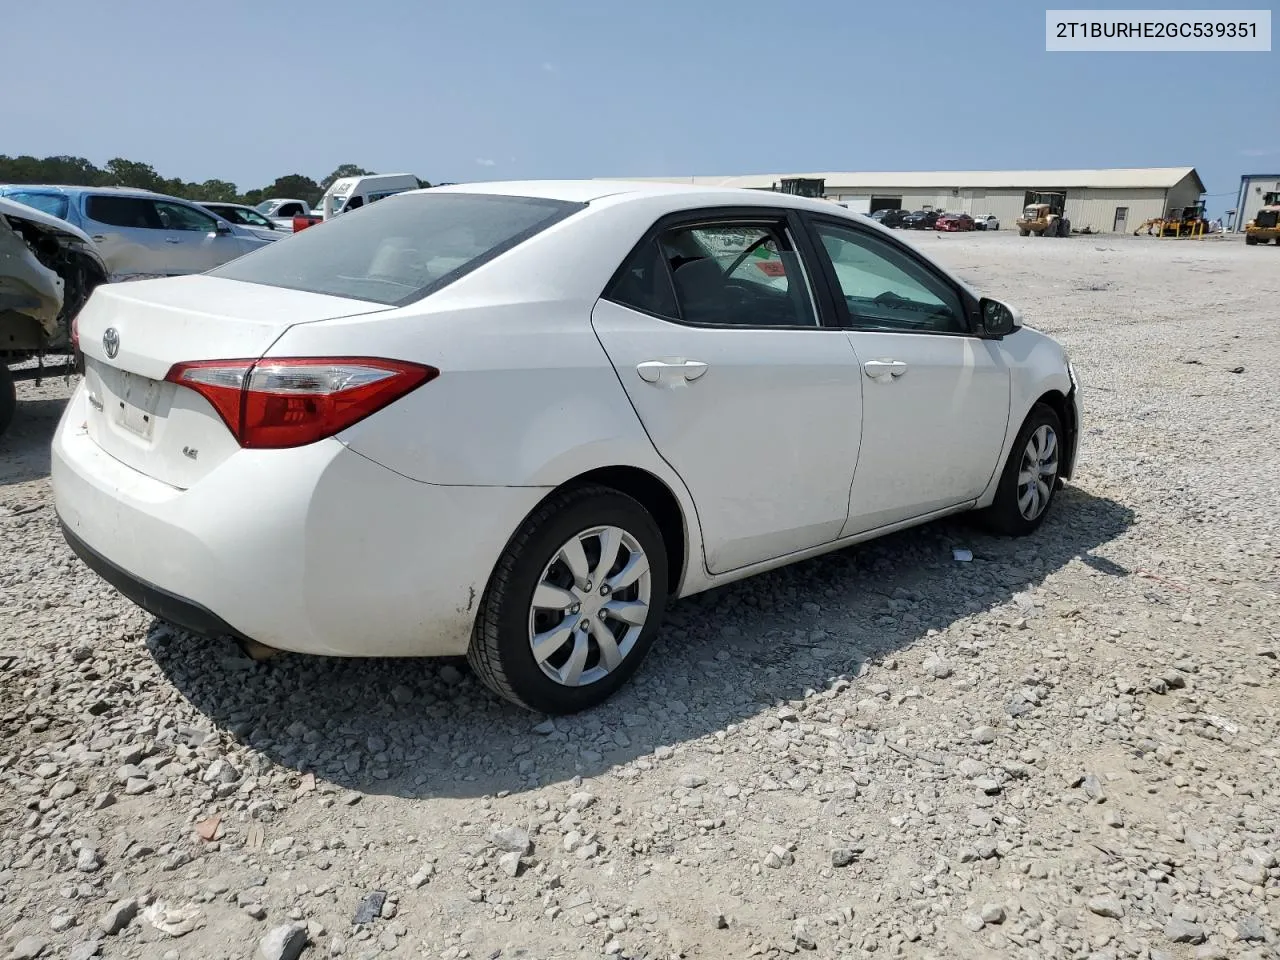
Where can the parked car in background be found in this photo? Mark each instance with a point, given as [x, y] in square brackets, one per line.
[247, 217]
[921, 220]
[282, 210]
[140, 233]
[467, 447]
[954, 222]
[48, 268]
[987, 221]
[893, 218]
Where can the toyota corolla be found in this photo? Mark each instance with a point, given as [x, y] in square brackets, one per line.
[514, 420]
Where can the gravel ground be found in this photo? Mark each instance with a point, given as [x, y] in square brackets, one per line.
[1064, 748]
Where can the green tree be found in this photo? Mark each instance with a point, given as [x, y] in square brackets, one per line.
[130, 173]
[344, 170]
[222, 190]
[296, 186]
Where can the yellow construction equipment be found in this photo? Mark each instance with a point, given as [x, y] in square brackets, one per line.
[1265, 224]
[1045, 216]
[1178, 222]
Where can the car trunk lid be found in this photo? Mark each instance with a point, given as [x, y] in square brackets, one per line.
[133, 333]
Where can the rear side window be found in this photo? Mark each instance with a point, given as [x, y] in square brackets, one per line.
[644, 284]
[401, 249]
[122, 211]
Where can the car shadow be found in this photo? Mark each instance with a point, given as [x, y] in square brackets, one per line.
[24, 447]
[419, 728]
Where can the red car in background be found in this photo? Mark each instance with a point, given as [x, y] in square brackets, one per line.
[954, 221]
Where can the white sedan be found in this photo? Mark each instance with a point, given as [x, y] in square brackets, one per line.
[986, 222]
[514, 420]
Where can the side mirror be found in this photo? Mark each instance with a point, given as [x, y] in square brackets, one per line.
[222, 229]
[998, 318]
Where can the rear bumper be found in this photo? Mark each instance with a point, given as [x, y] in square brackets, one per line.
[313, 550]
[169, 607]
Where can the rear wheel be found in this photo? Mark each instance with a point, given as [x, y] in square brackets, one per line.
[1250, 240]
[8, 397]
[1030, 476]
[1022, 232]
[574, 603]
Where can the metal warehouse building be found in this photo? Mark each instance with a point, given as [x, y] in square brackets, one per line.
[1106, 200]
[1253, 187]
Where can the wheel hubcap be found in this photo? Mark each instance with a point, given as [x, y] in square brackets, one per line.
[590, 606]
[1038, 472]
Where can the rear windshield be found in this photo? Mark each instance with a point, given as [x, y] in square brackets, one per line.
[399, 250]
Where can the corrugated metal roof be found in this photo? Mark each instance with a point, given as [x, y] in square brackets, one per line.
[1136, 177]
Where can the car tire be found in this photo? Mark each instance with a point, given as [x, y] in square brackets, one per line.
[1010, 514]
[8, 398]
[1250, 240]
[502, 644]
[1023, 233]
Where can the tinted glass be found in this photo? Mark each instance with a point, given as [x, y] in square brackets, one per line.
[178, 216]
[645, 284]
[51, 203]
[737, 275]
[885, 288]
[122, 211]
[401, 249]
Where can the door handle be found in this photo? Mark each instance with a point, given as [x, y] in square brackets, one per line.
[877, 369]
[98, 237]
[172, 240]
[652, 371]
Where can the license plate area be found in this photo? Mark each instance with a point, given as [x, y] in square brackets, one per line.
[136, 401]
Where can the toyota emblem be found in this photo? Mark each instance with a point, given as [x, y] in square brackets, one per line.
[111, 342]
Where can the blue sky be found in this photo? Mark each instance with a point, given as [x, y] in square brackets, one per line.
[247, 90]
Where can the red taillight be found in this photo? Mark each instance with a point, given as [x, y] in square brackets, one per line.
[293, 401]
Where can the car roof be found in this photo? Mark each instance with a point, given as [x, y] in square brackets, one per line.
[587, 191]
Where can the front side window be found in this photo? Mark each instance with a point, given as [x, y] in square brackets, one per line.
[885, 288]
[178, 216]
[736, 274]
[290, 210]
[401, 249]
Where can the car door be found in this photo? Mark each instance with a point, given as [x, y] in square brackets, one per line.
[127, 233]
[746, 388]
[935, 395]
[192, 234]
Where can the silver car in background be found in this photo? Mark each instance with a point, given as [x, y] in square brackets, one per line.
[140, 233]
[243, 215]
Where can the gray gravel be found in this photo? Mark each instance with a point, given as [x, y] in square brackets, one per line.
[1065, 748]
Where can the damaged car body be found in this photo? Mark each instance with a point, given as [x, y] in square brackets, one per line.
[48, 268]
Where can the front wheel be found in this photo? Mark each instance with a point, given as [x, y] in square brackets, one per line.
[574, 603]
[1030, 476]
[1250, 240]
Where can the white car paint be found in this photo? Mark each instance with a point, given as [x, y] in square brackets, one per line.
[379, 540]
[987, 221]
